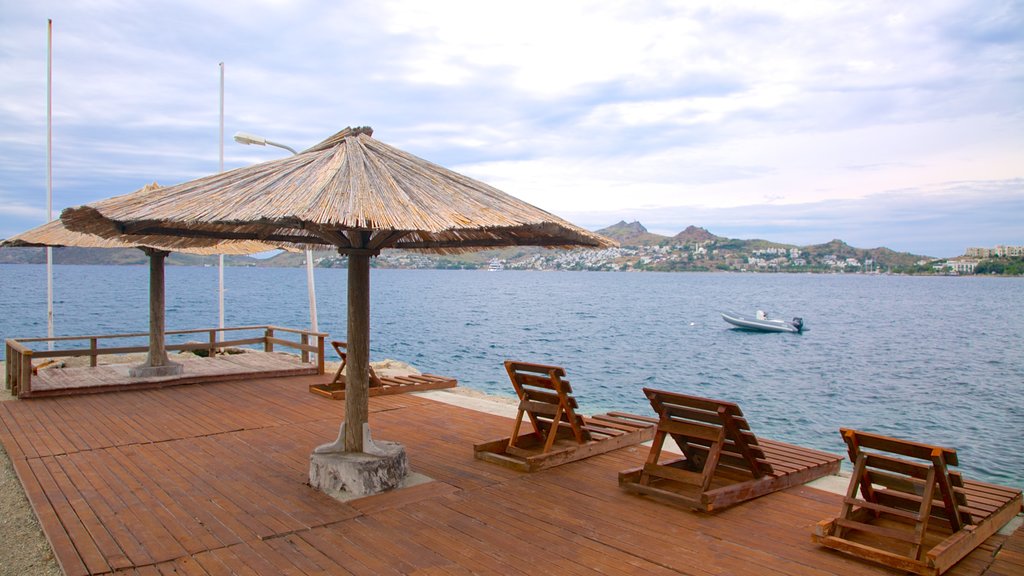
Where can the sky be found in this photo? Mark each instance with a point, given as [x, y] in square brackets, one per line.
[878, 123]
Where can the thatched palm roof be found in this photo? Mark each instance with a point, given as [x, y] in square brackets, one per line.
[348, 184]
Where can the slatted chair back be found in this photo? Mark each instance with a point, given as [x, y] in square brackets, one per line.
[905, 479]
[545, 396]
[712, 434]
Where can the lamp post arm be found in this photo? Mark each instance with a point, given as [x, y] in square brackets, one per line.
[246, 138]
[288, 148]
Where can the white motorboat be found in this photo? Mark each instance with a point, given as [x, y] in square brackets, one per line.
[760, 322]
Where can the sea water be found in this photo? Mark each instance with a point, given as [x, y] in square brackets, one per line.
[932, 359]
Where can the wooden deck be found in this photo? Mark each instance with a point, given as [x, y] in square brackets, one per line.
[212, 479]
[197, 370]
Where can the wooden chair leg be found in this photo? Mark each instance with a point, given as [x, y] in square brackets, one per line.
[653, 456]
[553, 431]
[924, 514]
[515, 429]
[711, 464]
[846, 513]
[946, 491]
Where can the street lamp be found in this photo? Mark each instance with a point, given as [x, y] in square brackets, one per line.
[247, 139]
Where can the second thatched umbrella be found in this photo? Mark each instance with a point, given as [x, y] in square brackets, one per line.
[352, 192]
[156, 248]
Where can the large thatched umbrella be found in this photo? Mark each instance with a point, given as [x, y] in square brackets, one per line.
[157, 248]
[350, 191]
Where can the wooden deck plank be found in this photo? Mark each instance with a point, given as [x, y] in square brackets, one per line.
[85, 410]
[218, 489]
[335, 545]
[556, 536]
[212, 479]
[100, 434]
[211, 564]
[76, 437]
[630, 533]
[81, 504]
[110, 509]
[7, 436]
[306, 556]
[46, 512]
[83, 557]
[115, 420]
[182, 525]
[218, 528]
[511, 554]
[230, 524]
[175, 421]
[408, 548]
[26, 430]
[147, 518]
[304, 508]
[268, 560]
[425, 529]
[237, 563]
[235, 479]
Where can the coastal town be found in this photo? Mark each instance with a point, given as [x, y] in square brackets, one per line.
[695, 249]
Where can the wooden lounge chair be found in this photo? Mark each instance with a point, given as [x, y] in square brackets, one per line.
[722, 461]
[913, 513]
[380, 385]
[559, 434]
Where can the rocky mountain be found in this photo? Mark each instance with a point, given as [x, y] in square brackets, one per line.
[635, 234]
[632, 234]
[696, 235]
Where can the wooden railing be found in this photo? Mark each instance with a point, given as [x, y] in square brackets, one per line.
[18, 378]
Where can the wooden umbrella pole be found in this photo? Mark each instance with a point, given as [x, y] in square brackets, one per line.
[157, 348]
[357, 370]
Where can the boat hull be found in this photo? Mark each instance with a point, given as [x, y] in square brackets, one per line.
[747, 323]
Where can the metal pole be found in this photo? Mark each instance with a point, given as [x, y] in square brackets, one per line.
[245, 138]
[311, 289]
[220, 258]
[49, 177]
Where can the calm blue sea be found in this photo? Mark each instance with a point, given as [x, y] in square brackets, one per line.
[933, 359]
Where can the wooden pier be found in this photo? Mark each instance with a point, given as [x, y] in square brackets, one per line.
[212, 479]
[25, 379]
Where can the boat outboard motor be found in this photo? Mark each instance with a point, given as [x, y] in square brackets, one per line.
[799, 324]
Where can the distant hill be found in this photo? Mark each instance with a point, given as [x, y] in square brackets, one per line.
[695, 234]
[632, 234]
[882, 255]
[292, 259]
[110, 256]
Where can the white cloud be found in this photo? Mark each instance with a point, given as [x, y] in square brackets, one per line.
[579, 107]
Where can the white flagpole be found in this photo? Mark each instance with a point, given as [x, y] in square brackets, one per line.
[311, 288]
[49, 177]
[220, 259]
